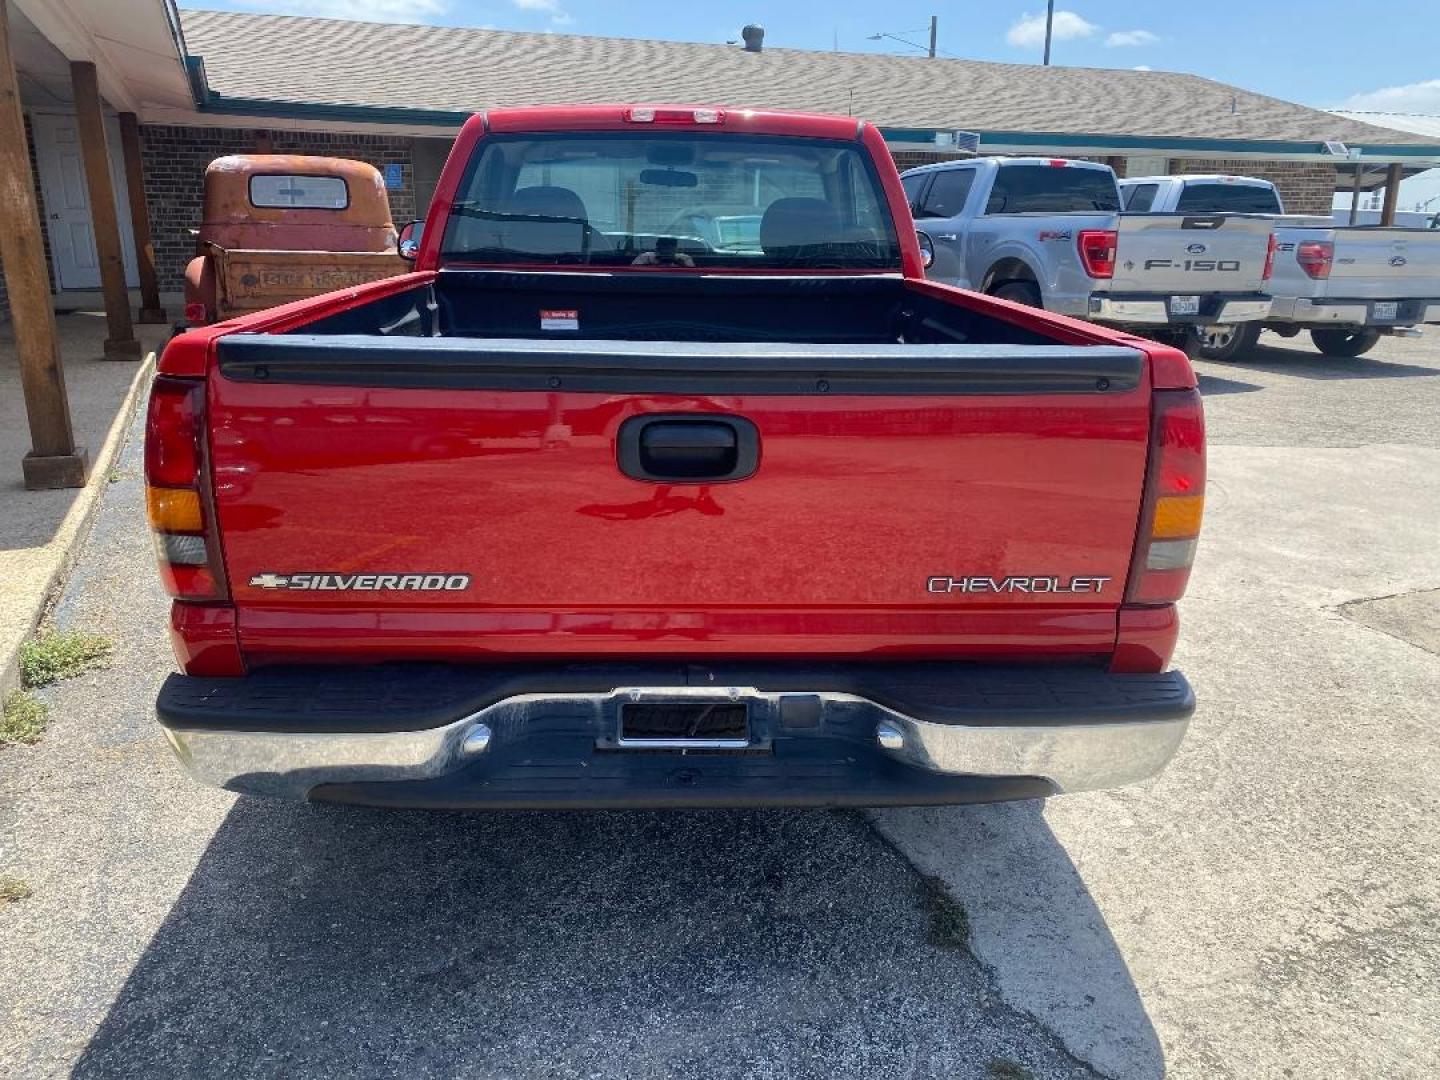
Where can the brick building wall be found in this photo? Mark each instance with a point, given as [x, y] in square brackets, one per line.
[175, 160]
[1305, 187]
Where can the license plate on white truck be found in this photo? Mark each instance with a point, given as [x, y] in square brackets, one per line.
[1386, 310]
[1184, 305]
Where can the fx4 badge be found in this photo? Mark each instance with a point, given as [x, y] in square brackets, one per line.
[1043, 584]
[362, 582]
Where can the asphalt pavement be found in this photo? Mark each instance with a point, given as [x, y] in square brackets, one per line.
[1267, 907]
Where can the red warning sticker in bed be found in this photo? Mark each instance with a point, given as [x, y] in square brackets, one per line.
[559, 320]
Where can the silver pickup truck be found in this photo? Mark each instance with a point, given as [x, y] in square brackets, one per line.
[1049, 232]
[1347, 285]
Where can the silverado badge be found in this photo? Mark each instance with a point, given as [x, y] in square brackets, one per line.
[314, 582]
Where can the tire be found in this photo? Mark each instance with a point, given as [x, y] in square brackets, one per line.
[1225, 343]
[1348, 341]
[1020, 292]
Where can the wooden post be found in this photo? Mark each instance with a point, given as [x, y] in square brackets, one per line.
[121, 344]
[150, 309]
[1393, 175]
[54, 461]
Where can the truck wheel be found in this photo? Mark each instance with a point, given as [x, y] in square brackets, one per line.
[1021, 292]
[1226, 342]
[1348, 341]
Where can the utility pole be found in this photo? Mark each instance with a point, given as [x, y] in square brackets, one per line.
[1049, 25]
[934, 28]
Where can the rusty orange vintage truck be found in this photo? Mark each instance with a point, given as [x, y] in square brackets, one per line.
[281, 227]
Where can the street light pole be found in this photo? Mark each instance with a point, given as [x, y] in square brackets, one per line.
[934, 27]
[1049, 26]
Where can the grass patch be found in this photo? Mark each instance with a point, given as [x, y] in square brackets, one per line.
[55, 655]
[22, 719]
[13, 890]
[1005, 1069]
[948, 924]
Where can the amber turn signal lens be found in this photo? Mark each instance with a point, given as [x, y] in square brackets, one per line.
[173, 510]
[1177, 516]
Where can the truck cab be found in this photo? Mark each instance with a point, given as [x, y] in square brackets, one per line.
[281, 227]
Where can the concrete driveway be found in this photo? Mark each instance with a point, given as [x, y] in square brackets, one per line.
[1266, 908]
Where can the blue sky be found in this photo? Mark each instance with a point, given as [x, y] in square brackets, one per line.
[1325, 53]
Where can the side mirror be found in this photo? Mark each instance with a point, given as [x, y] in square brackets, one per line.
[927, 249]
[409, 243]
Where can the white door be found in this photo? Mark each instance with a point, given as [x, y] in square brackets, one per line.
[67, 201]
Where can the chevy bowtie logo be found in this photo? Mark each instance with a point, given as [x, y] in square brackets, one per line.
[269, 581]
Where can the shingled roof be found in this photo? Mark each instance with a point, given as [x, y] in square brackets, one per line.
[444, 69]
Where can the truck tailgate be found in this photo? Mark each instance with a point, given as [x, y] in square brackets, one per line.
[1190, 253]
[1385, 264]
[381, 498]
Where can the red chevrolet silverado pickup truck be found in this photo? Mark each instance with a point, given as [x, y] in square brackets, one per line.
[666, 479]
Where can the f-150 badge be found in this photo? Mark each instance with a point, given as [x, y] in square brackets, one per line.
[362, 582]
[1043, 584]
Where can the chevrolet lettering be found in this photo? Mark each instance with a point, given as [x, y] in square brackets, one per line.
[1042, 584]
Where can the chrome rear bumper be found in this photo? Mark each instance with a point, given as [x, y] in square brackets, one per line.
[1155, 310]
[1092, 750]
[1311, 312]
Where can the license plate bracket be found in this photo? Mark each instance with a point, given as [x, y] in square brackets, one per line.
[1185, 305]
[685, 724]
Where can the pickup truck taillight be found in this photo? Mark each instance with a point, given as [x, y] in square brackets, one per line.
[1269, 260]
[1097, 251]
[1174, 499]
[1316, 257]
[175, 491]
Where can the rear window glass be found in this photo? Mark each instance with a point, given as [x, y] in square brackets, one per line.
[1052, 189]
[1228, 198]
[299, 192]
[671, 199]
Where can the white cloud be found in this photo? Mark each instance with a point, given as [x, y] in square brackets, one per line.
[1029, 30]
[393, 11]
[1142, 67]
[558, 15]
[1420, 97]
[1122, 38]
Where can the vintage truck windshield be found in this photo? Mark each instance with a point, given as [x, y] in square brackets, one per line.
[671, 199]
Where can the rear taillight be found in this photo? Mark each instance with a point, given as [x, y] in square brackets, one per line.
[1097, 251]
[1174, 500]
[1316, 257]
[1269, 260]
[175, 490]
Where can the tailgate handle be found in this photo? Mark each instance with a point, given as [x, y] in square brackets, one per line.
[1213, 222]
[690, 448]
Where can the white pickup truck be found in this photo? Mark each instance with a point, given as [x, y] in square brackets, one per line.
[1049, 232]
[1347, 285]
